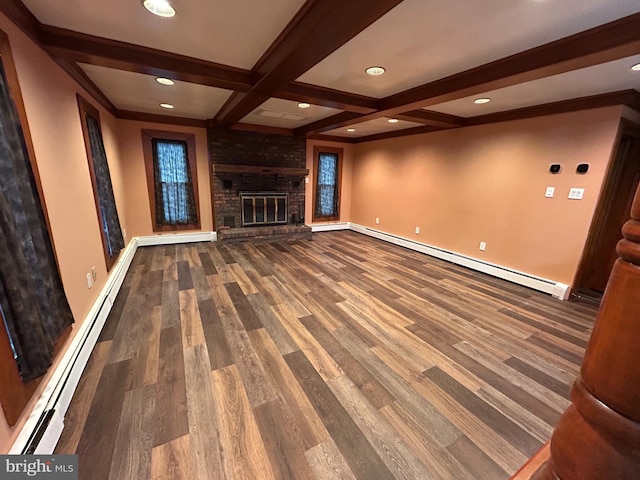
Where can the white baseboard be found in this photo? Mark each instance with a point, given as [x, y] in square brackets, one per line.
[557, 289]
[46, 420]
[43, 428]
[329, 227]
[173, 238]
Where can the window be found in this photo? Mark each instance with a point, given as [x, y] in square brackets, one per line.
[327, 170]
[172, 180]
[112, 241]
[35, 317]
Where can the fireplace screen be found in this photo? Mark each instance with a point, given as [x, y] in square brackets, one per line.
[264, 208]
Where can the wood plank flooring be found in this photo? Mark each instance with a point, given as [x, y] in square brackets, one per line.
[342, 357]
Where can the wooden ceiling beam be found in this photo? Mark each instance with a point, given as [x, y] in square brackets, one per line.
[75, 72]
[83, 48]
[629, 98]
[19, 14]
[623, 97]
[319, 29]
[328, 97]
[78, 47]
[433, 119]
[605, 43]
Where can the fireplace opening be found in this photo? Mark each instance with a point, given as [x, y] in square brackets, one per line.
[264, 208]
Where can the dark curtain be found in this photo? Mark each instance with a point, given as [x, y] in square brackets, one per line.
[326, 205]
[175, 199]
[32, 301]
[109, 215]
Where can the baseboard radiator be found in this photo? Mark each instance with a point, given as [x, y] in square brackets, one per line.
[43, 428]
[557, 289]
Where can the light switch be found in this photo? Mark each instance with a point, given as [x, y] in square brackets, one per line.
[550, 191]
[576, 193]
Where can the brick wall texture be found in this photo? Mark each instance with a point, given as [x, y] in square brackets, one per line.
[233, 147]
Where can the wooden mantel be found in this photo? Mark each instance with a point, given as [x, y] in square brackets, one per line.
[221, 169]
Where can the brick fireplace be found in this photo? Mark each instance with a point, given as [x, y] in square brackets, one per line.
[261, 164]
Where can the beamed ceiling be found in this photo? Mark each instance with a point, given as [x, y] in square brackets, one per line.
[246, 64]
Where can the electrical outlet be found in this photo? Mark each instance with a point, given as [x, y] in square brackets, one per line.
[89, 280]
[306, 179]
[377, 221]
[417, 230]
[94, 274]
[550, 191]
[483, 246]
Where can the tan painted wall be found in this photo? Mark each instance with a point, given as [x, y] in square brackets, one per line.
[54, 121]
[137, 207]
[345, 188]
[487, 183]
[483, 183]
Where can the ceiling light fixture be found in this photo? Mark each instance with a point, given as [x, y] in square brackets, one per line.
[636, 67]
[165, 81]
[162, 8]
[480, 101]
[304, 105]
[350, 130]
[166, 105]
[393, 120]
[375, 71]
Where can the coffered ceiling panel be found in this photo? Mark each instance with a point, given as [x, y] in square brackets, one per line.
[607, 77]
[425, 46]
[141, 93]
[424, 40]
[231, 32]
[372, 127]
[286, 114]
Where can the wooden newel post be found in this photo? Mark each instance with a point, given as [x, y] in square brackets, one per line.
[598, 437]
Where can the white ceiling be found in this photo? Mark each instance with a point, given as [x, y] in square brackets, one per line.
[276, 112]
[141, 93]
[231, 32]
[372, 127]
[417, 42]
[604, 78]
[423, 40]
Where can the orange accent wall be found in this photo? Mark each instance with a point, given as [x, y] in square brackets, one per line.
[345, 188]
[54, 121]
[137, 208]
[487, 183]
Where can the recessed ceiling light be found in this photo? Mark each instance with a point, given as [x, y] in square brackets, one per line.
[166, 105]
[304, 105]
[162, 8]
[393, 120]
[636, 67]
[375, 70]
[480, 101]
[351, 130]
[165, 81]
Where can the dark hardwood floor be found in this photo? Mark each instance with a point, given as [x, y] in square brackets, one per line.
[338, 358]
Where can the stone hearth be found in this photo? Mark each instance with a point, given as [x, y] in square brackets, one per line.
[264, 234]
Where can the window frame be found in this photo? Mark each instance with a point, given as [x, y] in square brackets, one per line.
[147, 148]
[317, 150]
[87, 108]
[15, 395]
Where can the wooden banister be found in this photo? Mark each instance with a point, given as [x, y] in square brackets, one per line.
[598, 437]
